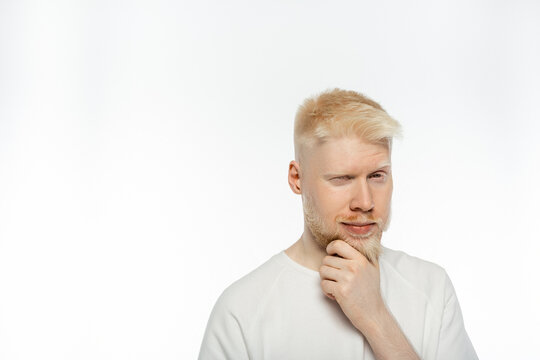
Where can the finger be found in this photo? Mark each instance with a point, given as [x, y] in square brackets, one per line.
[328, 287]
[334, 261]
[341, 248]
[329, 273]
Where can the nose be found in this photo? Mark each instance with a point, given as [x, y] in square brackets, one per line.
[361, 199]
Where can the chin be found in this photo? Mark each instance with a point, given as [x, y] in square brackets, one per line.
[370, 247]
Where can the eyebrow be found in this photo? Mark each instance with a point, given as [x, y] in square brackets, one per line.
[381, 166]
[384, 164]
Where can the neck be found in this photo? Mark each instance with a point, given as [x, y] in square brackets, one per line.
[307, 252]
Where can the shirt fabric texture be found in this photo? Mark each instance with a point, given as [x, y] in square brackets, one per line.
[278, 311]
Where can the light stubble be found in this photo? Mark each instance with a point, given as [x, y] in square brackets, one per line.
[369, 244]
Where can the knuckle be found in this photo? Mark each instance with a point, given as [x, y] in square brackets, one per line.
[334, 245]
[325, 285]
[343, 290]
[325, 260]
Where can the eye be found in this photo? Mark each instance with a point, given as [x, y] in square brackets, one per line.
[378, 176]
[341, 179]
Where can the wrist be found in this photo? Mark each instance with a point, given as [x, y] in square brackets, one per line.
[385, 336]
[374, 322]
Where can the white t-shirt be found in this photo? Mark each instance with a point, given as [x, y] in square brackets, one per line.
[278, 311]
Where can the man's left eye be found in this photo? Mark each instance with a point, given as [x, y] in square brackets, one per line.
[377, 175]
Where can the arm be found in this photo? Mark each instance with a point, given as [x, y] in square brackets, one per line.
[223, 338]
[354, 283]
[387, 339]
[454, 343]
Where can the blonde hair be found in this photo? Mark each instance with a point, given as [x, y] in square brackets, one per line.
[338, 113]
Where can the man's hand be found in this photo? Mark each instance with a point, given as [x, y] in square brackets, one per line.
[354, 282]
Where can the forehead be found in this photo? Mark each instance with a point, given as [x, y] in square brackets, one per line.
[351, 153]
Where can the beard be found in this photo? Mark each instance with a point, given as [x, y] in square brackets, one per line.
[367, 244]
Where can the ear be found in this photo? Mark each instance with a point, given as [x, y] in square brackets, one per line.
[294, 177]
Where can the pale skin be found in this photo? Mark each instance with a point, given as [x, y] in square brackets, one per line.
[349, 177]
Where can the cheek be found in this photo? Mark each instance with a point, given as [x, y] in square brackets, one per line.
[333, 203]
[383, 198]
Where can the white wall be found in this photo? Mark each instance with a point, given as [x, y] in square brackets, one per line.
[144, 150]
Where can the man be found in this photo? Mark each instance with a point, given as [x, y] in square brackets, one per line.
[337, 293]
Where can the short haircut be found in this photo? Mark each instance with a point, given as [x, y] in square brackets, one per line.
[337, 113]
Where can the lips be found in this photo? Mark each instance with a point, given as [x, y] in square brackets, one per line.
[359, 228]
[358, 223]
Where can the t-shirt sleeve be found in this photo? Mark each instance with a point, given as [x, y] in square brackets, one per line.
[224, 337]
[454, 343]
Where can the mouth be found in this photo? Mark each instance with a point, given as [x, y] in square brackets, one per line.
[359, 228]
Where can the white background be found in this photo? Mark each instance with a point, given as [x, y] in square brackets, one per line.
[144, 148]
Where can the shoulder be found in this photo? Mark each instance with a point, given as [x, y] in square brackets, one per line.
[424, 276]
[246, 294]
[410, 265]
[232, 316]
